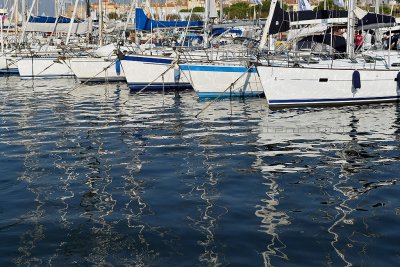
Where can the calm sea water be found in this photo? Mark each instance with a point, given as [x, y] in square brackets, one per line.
[102, 177]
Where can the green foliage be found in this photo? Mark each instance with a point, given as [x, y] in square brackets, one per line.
[386, 9]
[194, 17]
[238, 11]
[245, 11]
[173, 17]
[112, 15]
[196, 9]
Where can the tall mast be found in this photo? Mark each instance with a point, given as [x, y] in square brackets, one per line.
[128, 19]
[16, 16]
[206, 22]
[221, 10]
[350, 29]
[56, 8]
[268, 24]
[24, 24]
[100, 23]
[71, 22]
[23, 11]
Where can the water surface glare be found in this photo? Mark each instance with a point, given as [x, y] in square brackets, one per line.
[103, 177]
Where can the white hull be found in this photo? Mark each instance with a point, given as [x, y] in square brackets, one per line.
[153, 73]
[97, 70]
[8, 65]
[42, 68]
[213, 80]
[307, 86]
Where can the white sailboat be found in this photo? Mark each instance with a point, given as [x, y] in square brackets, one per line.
[153, 73]
[50, 65]
[154, 69]
[222, 77]
[44, 68]
[346, 84]
[105, 67]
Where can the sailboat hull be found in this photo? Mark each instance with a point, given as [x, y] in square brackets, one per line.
[44, 68]
[307, 86]
[8, 65]
[97, 70]
[153, 73]
[211, 81]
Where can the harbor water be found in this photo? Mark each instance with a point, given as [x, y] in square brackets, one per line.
[98, 176]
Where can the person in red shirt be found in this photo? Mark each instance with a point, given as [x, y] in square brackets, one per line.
[359, 40]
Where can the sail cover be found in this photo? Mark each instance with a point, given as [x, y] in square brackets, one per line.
[335, 41]
[143, 23]
[58, 25]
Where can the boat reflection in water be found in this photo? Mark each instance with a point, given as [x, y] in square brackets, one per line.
[81, 165]
[326, 170]
[102, 176]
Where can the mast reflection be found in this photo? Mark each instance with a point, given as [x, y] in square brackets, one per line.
[268, 210]
[351, 230]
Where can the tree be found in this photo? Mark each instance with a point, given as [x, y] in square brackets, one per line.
[194, 17]
[245, 11]
[265, 8]
[173, 17]
[196, 9]
[238, 11]
[112, 15]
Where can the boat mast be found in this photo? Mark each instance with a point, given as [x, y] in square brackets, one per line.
[16, 17]
[89, 20]
[56, 4]
[131, 8]
[1, 33]
[350, 29]
[206, 21]
[377, 6]
[24, 24]
[267, 25]
[221, 10]
[23, 11]
[100, 23]
[71, 22]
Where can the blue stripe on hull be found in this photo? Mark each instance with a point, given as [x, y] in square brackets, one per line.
[216, 68]
[148, 59]
[9, 71]
[356, 100]
[159, 86]
[47, 77]
[103, 80]
[229, 94]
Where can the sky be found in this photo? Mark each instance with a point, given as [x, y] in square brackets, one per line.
[46, 7]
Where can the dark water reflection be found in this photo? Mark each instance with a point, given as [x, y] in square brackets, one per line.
[103, 177]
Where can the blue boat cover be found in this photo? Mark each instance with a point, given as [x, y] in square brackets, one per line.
[44, 19]
[143, 23]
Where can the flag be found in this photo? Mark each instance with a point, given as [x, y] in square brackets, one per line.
[339, 3]
[304, 5]
[256, 2]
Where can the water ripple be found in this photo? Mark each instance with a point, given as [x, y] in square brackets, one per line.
[101, 176]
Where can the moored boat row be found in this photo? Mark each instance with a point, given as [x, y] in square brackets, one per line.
[285, 77]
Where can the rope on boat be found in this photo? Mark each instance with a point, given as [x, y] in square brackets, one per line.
[88, 80]
[33, 76]
[160, 76]
[173, 63]
[222, 93]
